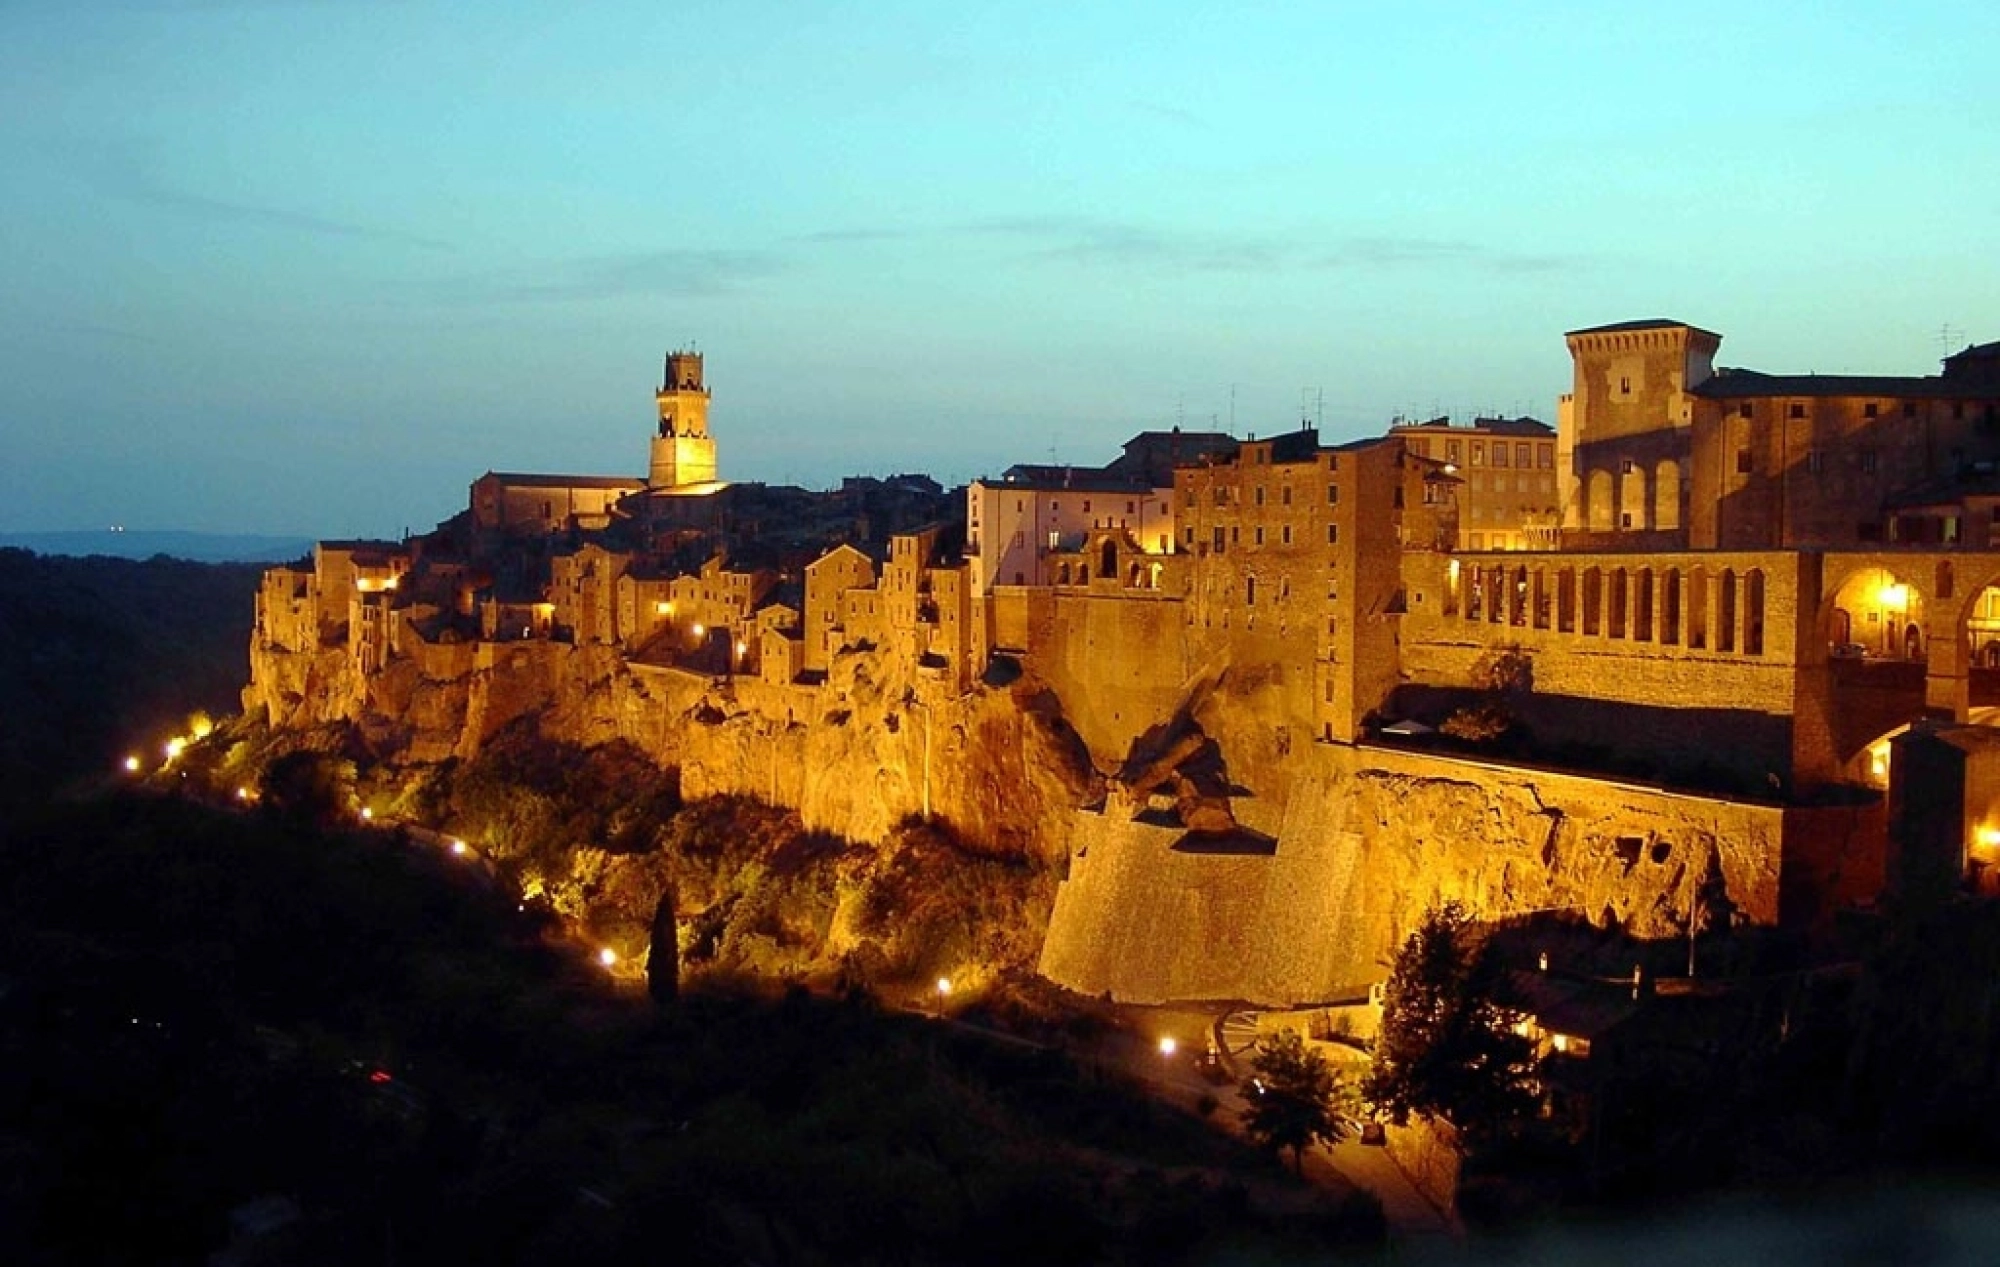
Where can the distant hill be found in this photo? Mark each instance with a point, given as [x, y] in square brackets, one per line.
[98, 655]
[196, 547]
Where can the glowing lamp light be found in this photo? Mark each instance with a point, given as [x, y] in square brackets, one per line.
[663, 609]
[742, 648]
[203, 728]
[132, 765]
[1878, 762]
[1560, 1042]
[242, 793]
[607, 956]
[1168, 1046]
[175, 747]
[1989, 837]
[367, 815]
[699, 630]
[458, 847]
[1895, 595]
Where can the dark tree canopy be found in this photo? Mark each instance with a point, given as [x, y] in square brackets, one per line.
[1446, 1048]
[1295, 1099]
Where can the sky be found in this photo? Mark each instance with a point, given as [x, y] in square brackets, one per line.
[312, 266]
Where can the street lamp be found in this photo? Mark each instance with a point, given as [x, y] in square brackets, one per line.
[1168, 1047]
[607, 956]
[943, 993]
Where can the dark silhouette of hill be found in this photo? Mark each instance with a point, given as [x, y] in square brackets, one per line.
[196, 547]
[100, 656]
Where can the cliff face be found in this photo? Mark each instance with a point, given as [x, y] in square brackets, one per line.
[1213, 847]
[874, 744]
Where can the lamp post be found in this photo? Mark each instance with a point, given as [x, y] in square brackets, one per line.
[943, 993]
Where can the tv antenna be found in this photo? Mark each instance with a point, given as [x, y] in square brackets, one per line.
[1948, 337]
[1312, 406]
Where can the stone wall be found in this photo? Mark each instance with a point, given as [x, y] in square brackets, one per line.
[1366, 839]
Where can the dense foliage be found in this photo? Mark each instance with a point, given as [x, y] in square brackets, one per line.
[1294, 1100]
[204, 1009]
[1447, 1048]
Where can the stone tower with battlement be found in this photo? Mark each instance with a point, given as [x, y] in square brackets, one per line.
[683, 451]
[1623, 442]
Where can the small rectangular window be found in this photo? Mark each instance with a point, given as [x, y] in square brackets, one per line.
[1333, 534]
[1333, 494]
[1745, 410]
[1478, 453]
[1743, 461]
[1624, 466]
[1499, 454]
[1288, 534]
[1260, 536]
[1868, 410]
[1221, 540]
[1909, 409]
[1797, 409]
[1868, 461]
[1548, 457]
[1260, 494]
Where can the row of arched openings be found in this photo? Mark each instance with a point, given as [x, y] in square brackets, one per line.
[1699, 608]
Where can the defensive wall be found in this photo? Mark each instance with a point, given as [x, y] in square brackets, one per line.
[1368, 838]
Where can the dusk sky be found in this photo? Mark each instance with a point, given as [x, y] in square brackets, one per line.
[312, 267]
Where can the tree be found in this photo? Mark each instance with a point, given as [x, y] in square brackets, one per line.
[1447, 1049]
[663, 959]
[1294, 1099]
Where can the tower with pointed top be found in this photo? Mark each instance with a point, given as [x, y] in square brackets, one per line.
[683, 451]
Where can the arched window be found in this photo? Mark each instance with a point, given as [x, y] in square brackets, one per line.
[1615, 618]
[1697, 622]
[1593, 601]
[1642, 606]
[1566, 600]
[1108, 558]
[1062, 575]
[1670, 607]
[1753, 612]
[1725, 611]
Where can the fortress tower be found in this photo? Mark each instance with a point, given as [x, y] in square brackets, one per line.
[683, 451]
[1623, 444]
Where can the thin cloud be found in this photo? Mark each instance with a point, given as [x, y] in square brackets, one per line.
[641, 273]
[122, 168]
[1174, 113]
[1086, 241]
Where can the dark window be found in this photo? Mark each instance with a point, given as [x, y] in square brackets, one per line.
[1288, 534]
[1743, 461]
[1332, 494]
[1868, 461]
[1744, 410]
[1333, 534]
[1868, 410]
[1909, 409]
[1260, 494]
[1797, 410]
[1624, 466]
[1221, 539]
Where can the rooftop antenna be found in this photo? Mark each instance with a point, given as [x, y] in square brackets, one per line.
[1948, 337]
[1180, 411]
[1232, 408]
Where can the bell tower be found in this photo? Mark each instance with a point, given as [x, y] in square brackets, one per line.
[683, 451]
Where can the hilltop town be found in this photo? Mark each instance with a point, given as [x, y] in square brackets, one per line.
[1669, 666]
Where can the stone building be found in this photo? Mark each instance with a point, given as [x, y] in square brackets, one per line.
[1507, 498]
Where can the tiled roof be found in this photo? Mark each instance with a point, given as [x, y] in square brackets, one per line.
[1736, 384]
[1647, 323]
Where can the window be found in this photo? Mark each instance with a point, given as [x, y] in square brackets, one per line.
[1333, 494]
[1187, 535]
[1909, 409]
[1745, 410]
[1221, 495]
[1797, 409]
[1815, 461]
[1260, 536]
[1478, 453]
[1867, 461]
[1333, 534]
[1499, 453]
[1868, 410]
[1624, 385]
[1249, 591]
[1743, 462]
[1221, 540]
[1260, 494]
[1288, 534]
[1451, 450]
[1625, 519]
[1020, 539]
[1521, 454]
[1624, 466]
[1478, 541]
[1285, 494]
[1086, 505]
